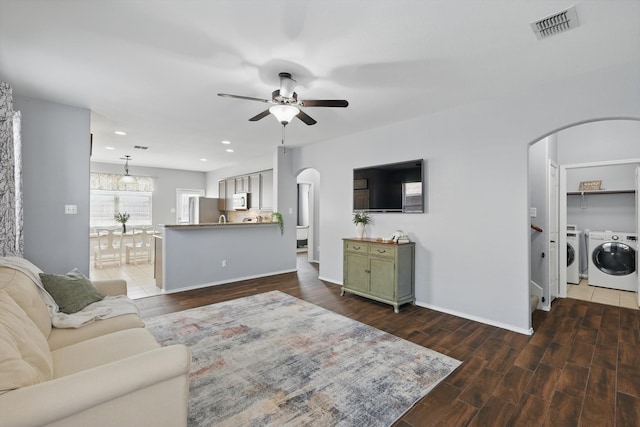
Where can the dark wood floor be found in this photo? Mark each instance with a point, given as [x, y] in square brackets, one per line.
[581, 367]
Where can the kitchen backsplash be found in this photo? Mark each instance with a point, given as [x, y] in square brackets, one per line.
[251, 215]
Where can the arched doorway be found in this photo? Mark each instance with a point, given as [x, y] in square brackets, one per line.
[580, 146]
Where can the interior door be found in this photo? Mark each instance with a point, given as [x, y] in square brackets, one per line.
[638, 230]
[553, 183]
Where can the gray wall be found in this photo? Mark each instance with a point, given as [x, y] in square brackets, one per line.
[55, 144]
[165, 183]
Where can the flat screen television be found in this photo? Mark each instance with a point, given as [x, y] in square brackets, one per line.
[393, 187]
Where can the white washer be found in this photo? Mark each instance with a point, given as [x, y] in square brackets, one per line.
[573, 255]
[612, 260]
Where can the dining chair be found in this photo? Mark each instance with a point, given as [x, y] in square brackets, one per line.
[141, 245]
[108, 247]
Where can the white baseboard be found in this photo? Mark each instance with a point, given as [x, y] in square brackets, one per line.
[477, 319]
[326, 279]
[223, 282]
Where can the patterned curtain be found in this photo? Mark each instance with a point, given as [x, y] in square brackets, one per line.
[111, 182]
[11, 237]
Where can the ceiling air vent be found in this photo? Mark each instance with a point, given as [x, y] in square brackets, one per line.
[556, 23]
[140, 147]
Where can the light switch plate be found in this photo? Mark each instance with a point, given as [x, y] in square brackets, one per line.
[70, 209]
[533, 212]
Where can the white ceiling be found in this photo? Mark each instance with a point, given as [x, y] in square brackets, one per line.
[153, 68]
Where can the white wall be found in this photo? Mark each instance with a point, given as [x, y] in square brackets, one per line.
[55, 146]
[165, 183]
[472, 244]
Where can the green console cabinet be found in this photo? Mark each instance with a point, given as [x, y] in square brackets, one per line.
[384, 272]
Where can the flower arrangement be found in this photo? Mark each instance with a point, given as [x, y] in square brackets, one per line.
[122, 218]
[278, 218]
[361, 217]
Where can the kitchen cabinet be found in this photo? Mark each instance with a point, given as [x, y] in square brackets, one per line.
[242, 184]
[259, 185]
[230, 184]
[254, 189]
[222, 195]
[384, 272]
[266, 189]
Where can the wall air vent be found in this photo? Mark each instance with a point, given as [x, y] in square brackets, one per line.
[556, 23]
[140, 147]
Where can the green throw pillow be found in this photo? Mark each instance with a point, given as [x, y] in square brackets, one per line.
[72, 291]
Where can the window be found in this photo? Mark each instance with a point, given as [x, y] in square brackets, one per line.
[104, 205]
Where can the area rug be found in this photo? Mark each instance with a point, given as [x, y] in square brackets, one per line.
[274, 360]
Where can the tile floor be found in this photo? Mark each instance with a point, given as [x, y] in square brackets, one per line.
[140, 281]
[602, 295]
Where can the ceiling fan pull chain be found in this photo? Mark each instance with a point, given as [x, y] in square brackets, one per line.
[284, 148]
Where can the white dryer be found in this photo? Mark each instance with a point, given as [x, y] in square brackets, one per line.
[612, 260]
[573, 255]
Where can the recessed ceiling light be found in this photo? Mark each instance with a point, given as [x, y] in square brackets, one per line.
[203, 160]
[229, 150]
[226, 142]
[119, 132]
[109, 148]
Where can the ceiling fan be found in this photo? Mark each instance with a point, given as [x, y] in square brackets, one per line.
[286, 103]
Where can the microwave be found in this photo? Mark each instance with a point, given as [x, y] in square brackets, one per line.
[240, 201]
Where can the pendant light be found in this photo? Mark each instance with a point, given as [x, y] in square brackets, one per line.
[126, 178]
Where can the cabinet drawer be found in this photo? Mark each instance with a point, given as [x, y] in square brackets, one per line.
[382, 250]
[356, 247]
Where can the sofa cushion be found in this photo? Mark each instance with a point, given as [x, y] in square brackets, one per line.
[101, 350]
[27, 295]
[72, 291]
[62, 337]
[25, 358]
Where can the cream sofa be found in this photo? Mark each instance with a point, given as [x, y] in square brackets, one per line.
[111, 372]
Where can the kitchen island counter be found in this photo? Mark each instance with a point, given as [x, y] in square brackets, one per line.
[200, 255]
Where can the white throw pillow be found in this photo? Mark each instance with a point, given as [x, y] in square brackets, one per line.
[25, 358]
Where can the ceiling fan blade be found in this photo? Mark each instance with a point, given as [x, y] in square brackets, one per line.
[249, 98]
[262, 115]
[324, 103]
[305, 118]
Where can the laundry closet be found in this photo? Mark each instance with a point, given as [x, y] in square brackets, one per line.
[601, 226]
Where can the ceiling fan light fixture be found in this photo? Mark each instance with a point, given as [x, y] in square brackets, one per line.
[284, 113]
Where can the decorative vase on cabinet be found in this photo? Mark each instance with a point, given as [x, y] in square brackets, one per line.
[381, 271]
[360, 230]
